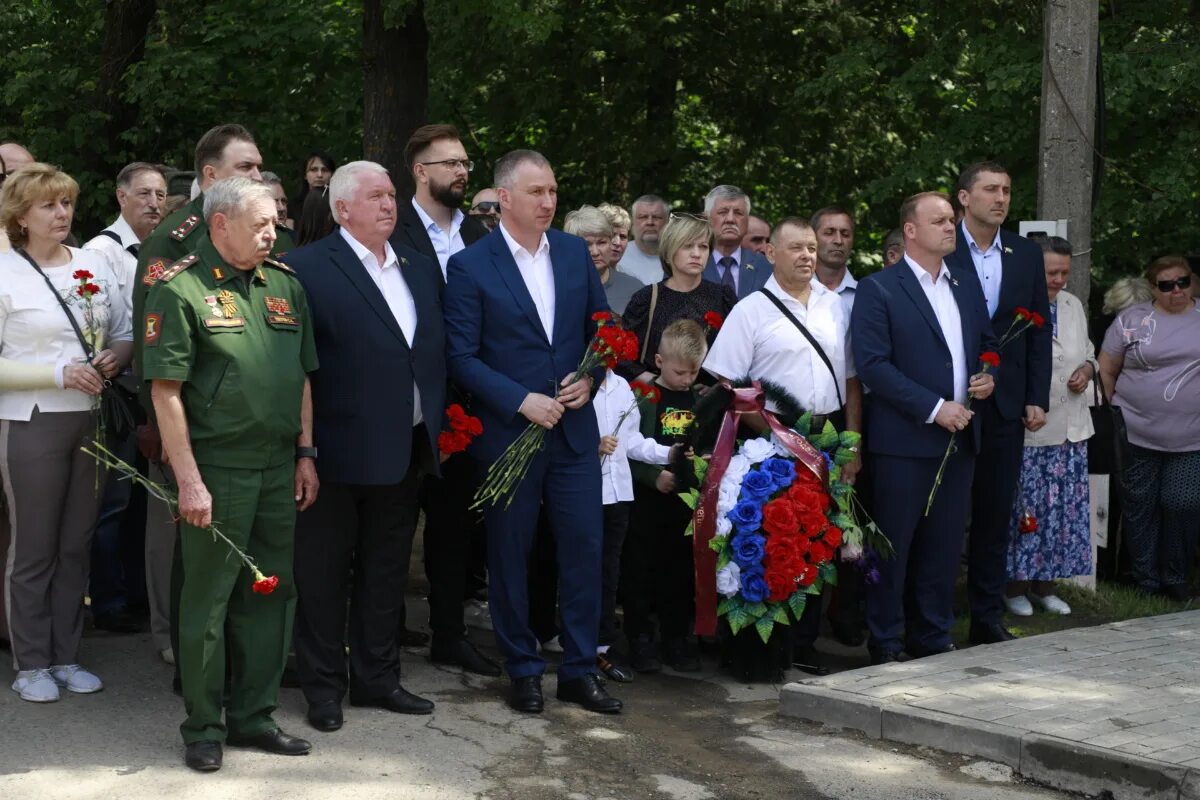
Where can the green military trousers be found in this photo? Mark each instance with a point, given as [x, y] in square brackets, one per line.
[256, 509]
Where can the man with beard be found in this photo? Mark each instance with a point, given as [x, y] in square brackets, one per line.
[835, 240]
[649, 214]
[730, 264]
[434, 225]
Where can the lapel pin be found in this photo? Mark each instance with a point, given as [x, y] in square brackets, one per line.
[953, 281]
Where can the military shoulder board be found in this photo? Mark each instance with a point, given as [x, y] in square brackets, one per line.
[178, 267]
[187, 226]
[279, 265]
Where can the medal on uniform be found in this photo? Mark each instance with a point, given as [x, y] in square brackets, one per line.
[212, 304]
[278, 305]
[226, 299]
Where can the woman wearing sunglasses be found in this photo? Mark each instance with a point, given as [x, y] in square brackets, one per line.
[1150, 366]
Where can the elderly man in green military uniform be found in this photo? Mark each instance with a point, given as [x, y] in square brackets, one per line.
[228, 347]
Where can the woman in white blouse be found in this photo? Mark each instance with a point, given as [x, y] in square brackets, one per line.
[760, 341]
[48, 398]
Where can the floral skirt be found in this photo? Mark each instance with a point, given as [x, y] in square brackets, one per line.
[1054, 489]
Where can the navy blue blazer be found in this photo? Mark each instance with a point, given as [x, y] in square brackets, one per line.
[753, 272]
[497, 348]
[1025, 364]
[363, 392]
[901, 354]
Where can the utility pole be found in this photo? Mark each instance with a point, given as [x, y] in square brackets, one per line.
[1070, 35]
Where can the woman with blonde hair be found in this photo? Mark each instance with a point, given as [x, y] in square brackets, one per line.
[63, 333]
[595, 227]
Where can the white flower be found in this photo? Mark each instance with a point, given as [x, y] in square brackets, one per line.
[780, 450]
[724, 526]
[852, 552]
[727, 497]
[729, 579]
[739, 465]
[757, 449]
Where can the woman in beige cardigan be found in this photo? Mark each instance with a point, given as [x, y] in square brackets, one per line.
[1050, 536]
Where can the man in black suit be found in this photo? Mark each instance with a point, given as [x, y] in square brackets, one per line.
[1010, 270]
[433, 224]
[377, 409]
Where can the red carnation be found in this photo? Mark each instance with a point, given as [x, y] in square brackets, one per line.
[451, 442]
[645, 391]
[602, 316]
[265, 585]
[82, 275]
[713, 320]
[991, 358]
[1037, 319]
[1022, 313]
[474, 426]
[779, 517]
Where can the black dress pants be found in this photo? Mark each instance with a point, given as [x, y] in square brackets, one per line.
[993, 492]
[450, 530]
[657, 570]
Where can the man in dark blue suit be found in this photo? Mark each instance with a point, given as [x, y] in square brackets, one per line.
[745, 271]
[917, 335]
[377, 409]
[1010, 270]
[519, 306]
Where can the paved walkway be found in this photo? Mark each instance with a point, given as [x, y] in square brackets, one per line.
[1114, 707]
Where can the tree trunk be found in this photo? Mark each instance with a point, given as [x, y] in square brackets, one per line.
[395, 86]
[1068, 128]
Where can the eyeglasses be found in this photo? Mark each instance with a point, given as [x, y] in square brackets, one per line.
[1178, 283]
[452, 163]
[685, 215]
[486, 207]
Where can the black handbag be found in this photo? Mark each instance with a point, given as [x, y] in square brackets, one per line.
[1109, 447]
[116, 416]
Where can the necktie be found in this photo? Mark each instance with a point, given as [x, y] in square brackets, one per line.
[727, 263]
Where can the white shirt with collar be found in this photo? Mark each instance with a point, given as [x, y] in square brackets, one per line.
[445, 243]
[846, 290]
[395, 293]
[739, 258]
[989, 264]
[945, 308]
[538, 274]
[757, 341]
[614, 398]
[121, 259]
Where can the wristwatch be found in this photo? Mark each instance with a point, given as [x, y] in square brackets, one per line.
[306, 452]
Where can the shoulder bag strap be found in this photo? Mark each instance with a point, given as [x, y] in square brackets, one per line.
[112, 235]
[87, 348]
[811, 340]
[649, 321]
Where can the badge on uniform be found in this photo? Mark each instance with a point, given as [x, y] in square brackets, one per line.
[153, 328]
[218, 274]
[226, 298]
[213, 306]
[154, 271]
[278, 305]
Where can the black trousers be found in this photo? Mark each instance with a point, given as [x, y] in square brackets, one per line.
[353, 543]
[656, 566]
[450, 531]
[993, 491]
[616, 525]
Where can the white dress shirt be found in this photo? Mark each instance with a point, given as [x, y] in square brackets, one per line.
[120, 259]
[846, 290]
[614, 398]
[989, 264]
[757, 341]
[445, 243]
[395, 293]
[538, 274]
[945, 308]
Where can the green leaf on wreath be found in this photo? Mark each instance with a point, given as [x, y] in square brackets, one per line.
[723, 558]
[764, 626]
[690, 498]
[843, 456]
[796, 604]
[700, 465]
[724, 606]
[780, 615]
[828, 572]
[850, 438]
[804, 424]
[691, 528]
[717, 543]
[815, 587]
[738, 618]
[757, 610]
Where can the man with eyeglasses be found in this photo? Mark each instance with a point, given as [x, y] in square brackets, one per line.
[433, 224]
[485, 207]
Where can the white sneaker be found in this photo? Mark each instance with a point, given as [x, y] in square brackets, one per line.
[76, 679]
[36, 686]
[1053, 604]
[552, 645]
[167, 655]
[1019, 606]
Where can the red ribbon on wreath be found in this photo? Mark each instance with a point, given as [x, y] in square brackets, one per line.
[747, 400]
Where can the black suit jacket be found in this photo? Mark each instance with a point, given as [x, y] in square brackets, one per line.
[410, 231]
[363, 392]
[1024, 375]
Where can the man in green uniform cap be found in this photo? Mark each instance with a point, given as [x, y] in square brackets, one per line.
[228, 345]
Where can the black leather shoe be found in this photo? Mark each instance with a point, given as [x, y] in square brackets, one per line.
[608, 664]
[590, 693]
[117, 621]
[203, 756]
[276, 742]
[989, 634]
[885, 657]
[526, 695]
[407, 638]
[325, 716]
[400, 701]
[916, 651]
[847, 633]
[681, 655]
[462, 653]
[806, 659]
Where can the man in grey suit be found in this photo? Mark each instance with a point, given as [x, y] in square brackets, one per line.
[728, 211]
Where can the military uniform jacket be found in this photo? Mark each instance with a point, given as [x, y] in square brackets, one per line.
[241, 347]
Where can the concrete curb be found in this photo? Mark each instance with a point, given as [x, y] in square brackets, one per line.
[1060, 763]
